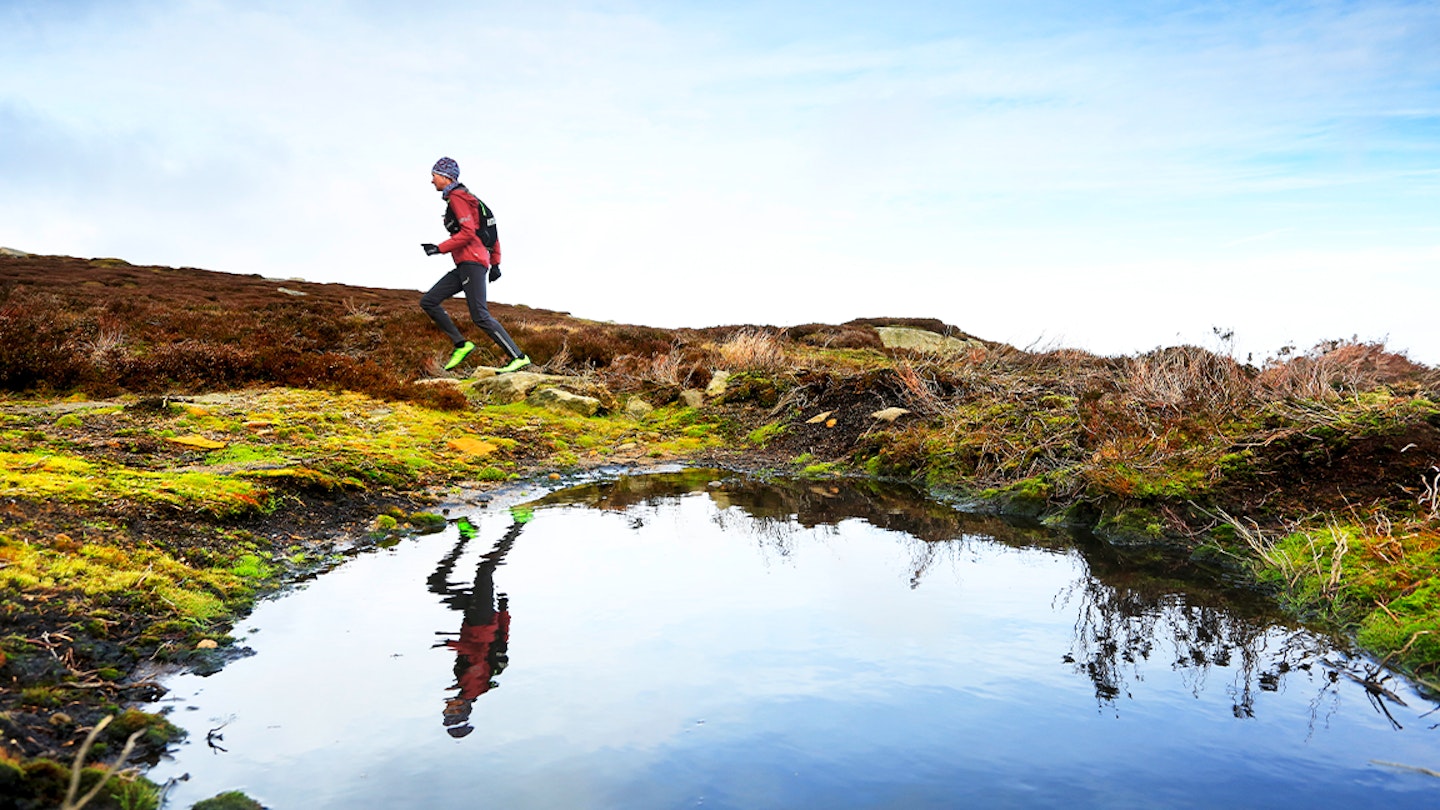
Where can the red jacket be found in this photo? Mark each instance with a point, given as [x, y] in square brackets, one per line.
[465, 245]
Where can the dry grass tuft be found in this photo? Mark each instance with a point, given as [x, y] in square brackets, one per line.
[1337, 369]
[754, 350]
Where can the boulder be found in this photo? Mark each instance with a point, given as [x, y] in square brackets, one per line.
[561, 400]
[719, 381]
[637, 408]
[904, 337]
[503, 389]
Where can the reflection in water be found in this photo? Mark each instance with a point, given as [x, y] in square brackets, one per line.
[482, 643]
[789, 644]
[1125, 614]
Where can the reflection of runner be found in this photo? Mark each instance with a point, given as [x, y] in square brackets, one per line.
[480, 648]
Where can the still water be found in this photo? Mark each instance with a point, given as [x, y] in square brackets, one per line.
[698, 640]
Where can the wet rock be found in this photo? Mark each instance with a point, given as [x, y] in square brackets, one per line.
[719, 382]
[561, 400]
[889, 414]
[692, 397]
[637, 408]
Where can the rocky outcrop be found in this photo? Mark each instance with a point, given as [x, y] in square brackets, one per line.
[904, 337]
[559, 399]
[570, 394]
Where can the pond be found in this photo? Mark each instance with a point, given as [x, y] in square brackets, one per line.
[709, 640]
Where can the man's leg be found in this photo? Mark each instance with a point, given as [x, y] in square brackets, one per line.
[432, 302]
[480, 313]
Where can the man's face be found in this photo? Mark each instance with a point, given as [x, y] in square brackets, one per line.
[440, 181]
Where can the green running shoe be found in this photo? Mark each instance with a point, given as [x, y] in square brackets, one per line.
[514, 365]
[458, 356]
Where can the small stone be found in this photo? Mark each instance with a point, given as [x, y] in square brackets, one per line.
[59, 719]
[889, 414]
[819, 418]
[692, 397]
[554, 476]
[207, 644]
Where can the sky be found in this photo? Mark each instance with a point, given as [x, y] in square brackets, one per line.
[1109, 176]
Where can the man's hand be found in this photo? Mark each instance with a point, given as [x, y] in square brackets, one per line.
[494, 272]
[430, 250]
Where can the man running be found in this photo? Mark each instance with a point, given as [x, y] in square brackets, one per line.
[474, 263]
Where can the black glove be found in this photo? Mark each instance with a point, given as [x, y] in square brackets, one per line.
[494, 272]
[430, 250]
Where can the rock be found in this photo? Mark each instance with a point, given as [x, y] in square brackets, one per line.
[903, 337]
[207, 644]
[819, 418]
[692, 397]
[637, 408]
[289, 291]
[18, 254]
[561, 400]
[503, 389]
[719, 381]
[889, 414]
[451, 381]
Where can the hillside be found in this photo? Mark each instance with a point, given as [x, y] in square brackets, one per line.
[177, 442]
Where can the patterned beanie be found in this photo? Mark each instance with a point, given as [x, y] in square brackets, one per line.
[447, 167]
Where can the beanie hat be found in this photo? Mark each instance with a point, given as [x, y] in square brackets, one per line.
[447, 167]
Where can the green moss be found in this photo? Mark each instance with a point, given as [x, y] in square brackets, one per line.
[765, 434]
[231, 800]
[427, 521]
[69, 420]
[44, 697]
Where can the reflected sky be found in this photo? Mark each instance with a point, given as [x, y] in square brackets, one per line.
[671, 642]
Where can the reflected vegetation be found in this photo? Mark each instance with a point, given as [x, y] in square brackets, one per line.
[1125, 614]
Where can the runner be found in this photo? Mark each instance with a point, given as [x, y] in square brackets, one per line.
[474, 265]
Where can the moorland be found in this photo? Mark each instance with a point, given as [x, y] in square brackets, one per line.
[176, 443]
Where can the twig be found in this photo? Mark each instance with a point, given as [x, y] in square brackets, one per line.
[78, 766]
[1415, 768]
